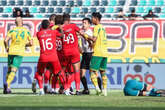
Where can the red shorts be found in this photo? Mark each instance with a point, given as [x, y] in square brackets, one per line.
[71, 55]
[54, 66]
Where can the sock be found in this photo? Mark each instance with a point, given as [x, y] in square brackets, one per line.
[39, 79]
[46, 77]
[84, 82]
[69, 79]
[10, 78]
[62, 78]
[104, 79]
[94, 79]
[99, 82]
[77, 80]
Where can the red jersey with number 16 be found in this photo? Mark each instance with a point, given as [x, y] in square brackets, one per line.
[47, 41]
[70, 39]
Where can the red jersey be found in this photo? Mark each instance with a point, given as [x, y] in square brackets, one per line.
[47, 41]
[70, 38]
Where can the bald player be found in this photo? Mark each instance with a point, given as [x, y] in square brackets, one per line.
[20, 38]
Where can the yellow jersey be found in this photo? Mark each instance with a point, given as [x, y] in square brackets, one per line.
[19, 37]
[100, 46]
[55, 27]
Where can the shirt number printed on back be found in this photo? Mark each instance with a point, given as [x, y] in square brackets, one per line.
[69, 39]
[59, 44]
[47, 44]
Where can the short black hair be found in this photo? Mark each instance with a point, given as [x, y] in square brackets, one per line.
[45, 24]
[133, 11]
[66, 17]
[52, 17]
[59, 19]
[87, 19]
[97, 15]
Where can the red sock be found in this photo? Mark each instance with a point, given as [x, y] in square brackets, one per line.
[39, 79]
[46, 77]
[62, 78]
[77, 80]
[55, 82]
[70, 79]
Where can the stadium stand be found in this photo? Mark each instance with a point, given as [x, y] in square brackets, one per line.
[108, 8]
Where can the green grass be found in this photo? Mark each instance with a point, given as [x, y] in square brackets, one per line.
[23, 99]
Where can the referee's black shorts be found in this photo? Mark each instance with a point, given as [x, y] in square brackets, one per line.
[85, 62]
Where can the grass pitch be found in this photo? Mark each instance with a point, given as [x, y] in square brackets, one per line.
[23, 99]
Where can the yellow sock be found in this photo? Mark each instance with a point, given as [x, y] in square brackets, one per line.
[104, 81]
[10, 78]
[94, 79]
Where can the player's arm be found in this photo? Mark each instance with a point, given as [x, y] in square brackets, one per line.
[30, 40]
[8, 37]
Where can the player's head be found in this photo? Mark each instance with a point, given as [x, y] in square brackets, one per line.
[66, 18]
[96, 17]
[86, 23]
[52, 18]
[59, 20]
[45, 24]
[18, 21]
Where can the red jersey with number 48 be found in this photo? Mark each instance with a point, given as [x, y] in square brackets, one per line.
[47, 41]
[70, 39]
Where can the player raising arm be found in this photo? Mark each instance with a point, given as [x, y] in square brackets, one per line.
[20, 38]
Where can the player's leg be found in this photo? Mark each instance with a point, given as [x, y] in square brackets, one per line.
[94, 67]
[39, 75]
[103, 67]
[14, 61]
[46, 81]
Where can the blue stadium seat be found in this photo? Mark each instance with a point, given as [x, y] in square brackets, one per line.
[28, 2]
[147, 9]
[53, 2]
[139, 10]
[142, 2]
[96, 3]
[163, 10]
[107, 16]
[157, 9]
[59, 10]
[11, 2]
[37, 3]
[79, 3]
[104, 2]
[87, 2]
[81, 16]
[71, 3]
[73, 16]
[42, 10]
[160, 2]
[75, 10]
[131, 8]
[101, 10]
[67, 10]
[50, 10]
[33, 10]
[151, 3]
[1, 10]
[45, 2]
[121, 2]
[62, 2]
[89, 16]
[162, 16]
[20, 2]
[84, 10]
[8, 10]
[93, 10]
[134, 3]
[109, 10]
[5, 15]
[38, 16]
[46, 16]
[118, 9]
[112, 3]
[24, 9]
[3, 2]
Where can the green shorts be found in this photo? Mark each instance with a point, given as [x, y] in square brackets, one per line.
[14, 61]
[98, 63]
